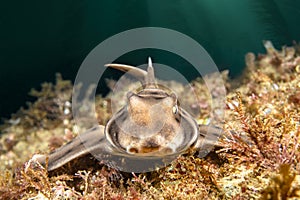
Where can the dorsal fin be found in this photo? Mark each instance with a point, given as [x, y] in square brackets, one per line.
[150, 78]
[147, 78]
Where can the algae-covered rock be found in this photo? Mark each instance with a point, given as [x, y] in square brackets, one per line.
[257, 157]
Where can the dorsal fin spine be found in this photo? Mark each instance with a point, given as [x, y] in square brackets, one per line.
[147, 78]
[150, 78]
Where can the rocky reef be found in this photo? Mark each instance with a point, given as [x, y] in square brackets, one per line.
[257, 157]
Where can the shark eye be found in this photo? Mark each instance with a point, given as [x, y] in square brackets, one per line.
[175, 109]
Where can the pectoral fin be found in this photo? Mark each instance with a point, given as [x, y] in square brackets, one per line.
[79, 146]
[207, 139]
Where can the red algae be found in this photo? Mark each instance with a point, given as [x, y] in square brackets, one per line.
[257, 157]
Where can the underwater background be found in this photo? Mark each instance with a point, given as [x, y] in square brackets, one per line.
[39, 39]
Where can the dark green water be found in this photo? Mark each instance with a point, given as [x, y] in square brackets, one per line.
[40, 38]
